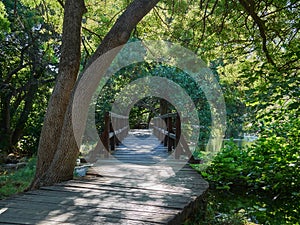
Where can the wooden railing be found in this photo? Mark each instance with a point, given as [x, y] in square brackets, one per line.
[163, 128]
[167, 128]
[115, 130]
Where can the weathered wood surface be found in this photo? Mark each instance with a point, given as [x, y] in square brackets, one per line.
[138, 186]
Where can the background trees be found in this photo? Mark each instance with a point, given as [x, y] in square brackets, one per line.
[28, 58]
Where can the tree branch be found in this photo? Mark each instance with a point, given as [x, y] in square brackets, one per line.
[20, 66]
[249, 7]
[92, 32]
[120, 32]
[62, 4]
[160, 18]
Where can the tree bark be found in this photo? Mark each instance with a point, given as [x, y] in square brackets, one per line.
[57, 163]
[58, 103]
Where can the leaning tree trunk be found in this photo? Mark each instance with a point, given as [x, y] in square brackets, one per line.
[58, 103]
[57, 164]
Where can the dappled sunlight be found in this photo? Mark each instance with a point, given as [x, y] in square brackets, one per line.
[112, 200]
[141, 184]
[59, 216]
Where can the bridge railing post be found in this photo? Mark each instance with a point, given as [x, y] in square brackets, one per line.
[119, 128]
[105, 133]
[170, 133]
[165, 136]
[112, 136]
[169, 130]
[177, 135]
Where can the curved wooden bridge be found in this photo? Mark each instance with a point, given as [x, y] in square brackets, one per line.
[141, 182]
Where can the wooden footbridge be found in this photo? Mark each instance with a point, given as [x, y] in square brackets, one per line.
[140, 182]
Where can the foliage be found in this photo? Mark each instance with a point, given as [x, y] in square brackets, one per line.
[4, 23]
[270, 166]
[218, 213]
[143, 111]
[234, 96]
[12, 182]
[244, 206]
[28, 59]
[272, 163]
[147, 108]
[256, 44]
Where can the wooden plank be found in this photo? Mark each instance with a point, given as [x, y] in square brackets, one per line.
[71, 217]
[61, 213]
[128, 188]
[149, 173]
[140, 196]
[93, 221]
[99, 202]
[168, 115]
[131, 182]
[54, 203]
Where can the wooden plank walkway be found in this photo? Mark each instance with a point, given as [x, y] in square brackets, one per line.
[139, 190]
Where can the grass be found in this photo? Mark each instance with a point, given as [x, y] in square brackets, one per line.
[16, 181]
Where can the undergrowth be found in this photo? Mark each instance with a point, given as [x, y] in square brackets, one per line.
[268, 170]
[16, 181]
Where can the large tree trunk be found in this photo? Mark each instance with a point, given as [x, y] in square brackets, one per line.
[58, 103]
[57, 163]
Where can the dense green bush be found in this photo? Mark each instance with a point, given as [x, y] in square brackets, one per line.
[261, 180]
[272, 163]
